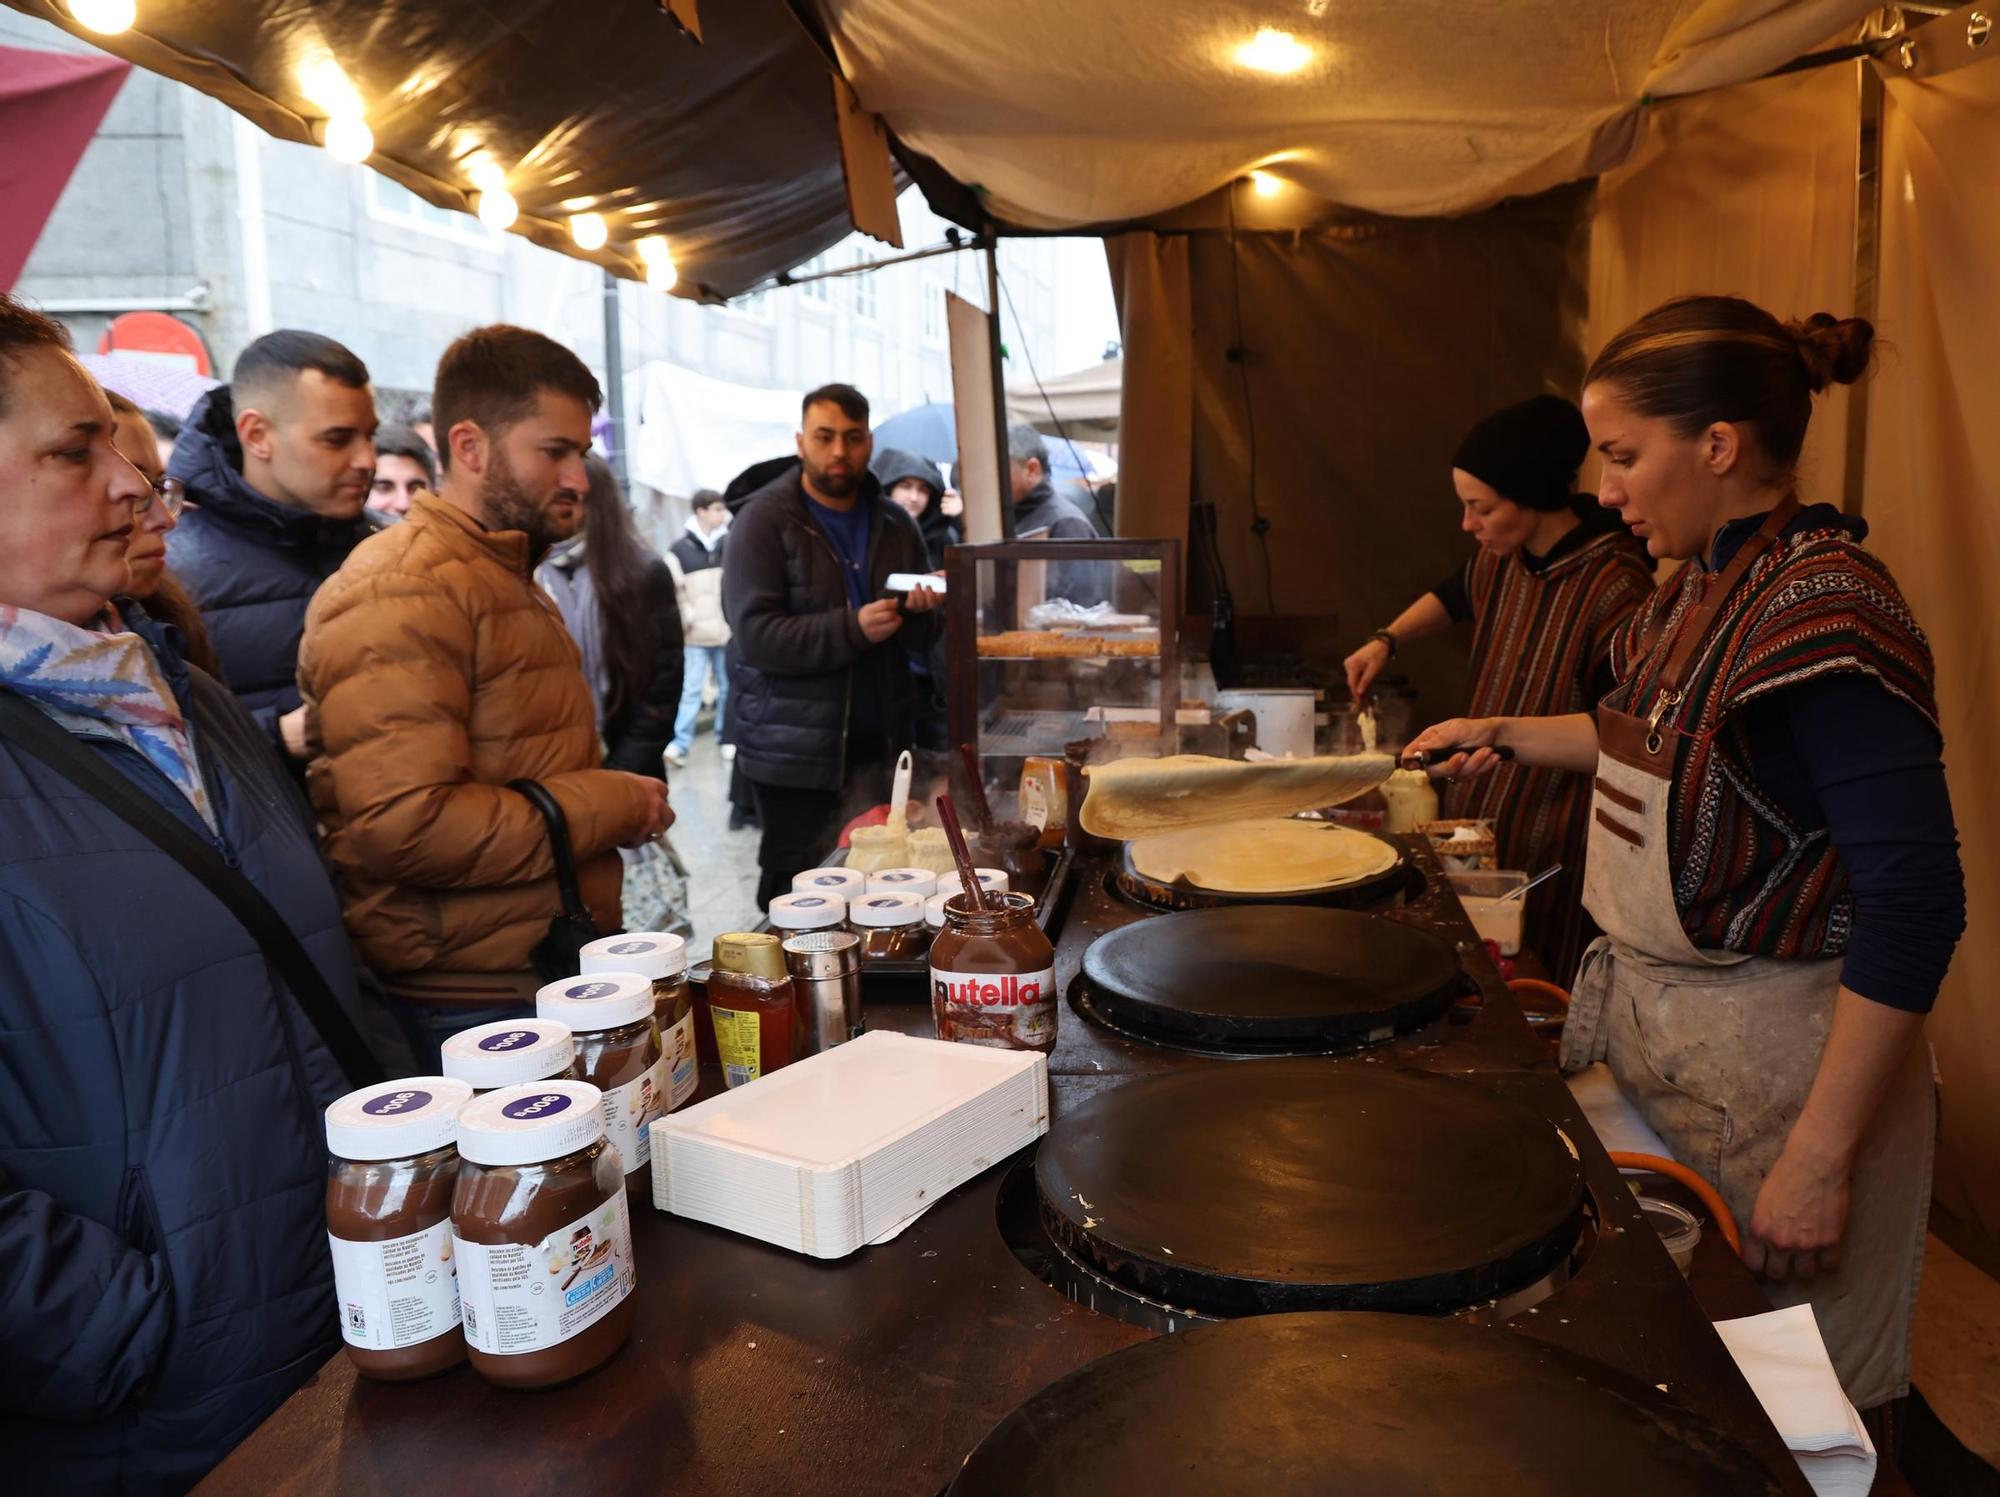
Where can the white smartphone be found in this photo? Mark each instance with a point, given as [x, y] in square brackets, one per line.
[904, 582]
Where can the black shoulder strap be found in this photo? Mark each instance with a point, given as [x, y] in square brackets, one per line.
[558, 825]
[25, 726]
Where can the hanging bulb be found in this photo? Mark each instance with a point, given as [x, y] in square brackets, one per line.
[661, 272]
[486, 174]
[347, 138]
[497, 209]
[589, 231]
[1265, 185]
[105, 17]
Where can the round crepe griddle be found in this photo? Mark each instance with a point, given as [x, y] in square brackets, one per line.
[1381, 1405]
[1284, 1185]
[1264, 977]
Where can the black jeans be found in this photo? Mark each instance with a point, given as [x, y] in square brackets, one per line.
[801, 826]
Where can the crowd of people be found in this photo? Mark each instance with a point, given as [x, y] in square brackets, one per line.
[272, 682]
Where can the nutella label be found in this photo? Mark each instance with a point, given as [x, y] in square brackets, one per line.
[527, 1297]
[683, 1068]
[1005, 1010]
[513, 1039]
[396, 1293]
[629, 1111]
[396, 1103]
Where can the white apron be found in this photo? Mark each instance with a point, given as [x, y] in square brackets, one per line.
[1718, 1050]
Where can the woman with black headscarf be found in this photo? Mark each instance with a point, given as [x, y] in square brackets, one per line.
[1555, 578]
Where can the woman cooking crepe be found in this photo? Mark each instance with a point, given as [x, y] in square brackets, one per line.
[1772, 854]
[1554, 580]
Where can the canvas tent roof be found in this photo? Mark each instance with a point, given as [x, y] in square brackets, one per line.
[1082, 405]
[1035, 113]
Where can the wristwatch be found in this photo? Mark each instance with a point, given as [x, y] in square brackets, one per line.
[1388, 639]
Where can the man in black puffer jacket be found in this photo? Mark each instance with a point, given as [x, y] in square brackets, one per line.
[277, 467]
[821, 697]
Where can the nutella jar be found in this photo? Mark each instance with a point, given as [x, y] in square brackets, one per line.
[796, 913]
[993, 979]
[918, 881]
[662, 957]
[848, 883]
[510, 1053]
[992, 880]
[618, 1051]
[389, 1181]
[891, 926]
[543, 1235]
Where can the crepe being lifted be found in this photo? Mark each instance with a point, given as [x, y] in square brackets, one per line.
[1140, 797]
[1268, 855]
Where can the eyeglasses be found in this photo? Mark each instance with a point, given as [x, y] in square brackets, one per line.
[171, 494]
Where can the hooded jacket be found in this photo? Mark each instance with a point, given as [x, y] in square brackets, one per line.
[798, 653]
[252, 563]
[434, 672]
[891, 466]
[164, 1283]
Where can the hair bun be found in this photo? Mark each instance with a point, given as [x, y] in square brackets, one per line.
[1835, 350]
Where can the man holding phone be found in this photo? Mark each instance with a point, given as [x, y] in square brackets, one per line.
[822, 698]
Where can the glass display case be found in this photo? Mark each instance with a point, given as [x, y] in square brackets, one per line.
[1061, 649]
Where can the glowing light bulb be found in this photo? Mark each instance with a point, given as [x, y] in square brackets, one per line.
[348, 138]
[106, 17]
[1265, 185]
[1273, 51]
[589, 231]
[486, 174]
[497, 209]
[662, 274]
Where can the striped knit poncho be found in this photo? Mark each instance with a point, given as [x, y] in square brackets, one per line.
[1745, 878]
[1539, 640]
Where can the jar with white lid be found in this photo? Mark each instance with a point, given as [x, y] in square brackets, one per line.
[618, 1051]
[918, 881]
[848, 883]
[891, 926]
[509, 1053]
[543, 1233]
[392, 1167]
[662, 956]
[798, 912]
[992, 880]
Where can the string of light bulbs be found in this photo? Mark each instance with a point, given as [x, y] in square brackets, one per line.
[344, 133]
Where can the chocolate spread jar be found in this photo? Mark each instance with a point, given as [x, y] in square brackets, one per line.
[918, 881]
[993, 979]
[490, 1056]
[618, 1051]
[799, 912]
[662, 957]
[891, 926]
[543, 1235]
[848, 883]
[394, 1163]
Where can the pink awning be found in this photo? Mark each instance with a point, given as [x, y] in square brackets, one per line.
[50, 105]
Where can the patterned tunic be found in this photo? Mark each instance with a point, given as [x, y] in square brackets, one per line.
[1745, 877]
[1539, 639]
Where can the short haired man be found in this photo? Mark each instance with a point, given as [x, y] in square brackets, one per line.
[276, 465]
[405, 467]
[696, 561]
[1040, 513]
[823, 696]
[435, 672]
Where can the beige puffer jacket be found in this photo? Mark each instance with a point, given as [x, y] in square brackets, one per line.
[434, 671]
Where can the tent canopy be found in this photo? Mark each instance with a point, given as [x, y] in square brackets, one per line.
[1082, 405]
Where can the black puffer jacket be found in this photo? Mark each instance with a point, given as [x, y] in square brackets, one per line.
[891, 466]
[797, 652]
[252, 564]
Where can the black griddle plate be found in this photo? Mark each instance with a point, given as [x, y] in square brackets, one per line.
[1310, 1185]
[1373, 1405]
[1272, 977]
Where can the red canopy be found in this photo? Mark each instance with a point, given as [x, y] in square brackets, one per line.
[50, 106]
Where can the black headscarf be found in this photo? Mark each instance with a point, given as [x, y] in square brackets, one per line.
[1528, 453]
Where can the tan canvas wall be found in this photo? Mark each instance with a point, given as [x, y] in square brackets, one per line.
[1933, 502]
[1368, 351]
[1750, 192]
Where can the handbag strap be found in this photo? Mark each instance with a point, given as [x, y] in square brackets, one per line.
[565, 856]
[25, 726]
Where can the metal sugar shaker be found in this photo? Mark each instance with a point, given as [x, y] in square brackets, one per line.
[826, 975]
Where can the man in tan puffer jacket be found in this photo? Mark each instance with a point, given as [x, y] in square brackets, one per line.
[435, 671]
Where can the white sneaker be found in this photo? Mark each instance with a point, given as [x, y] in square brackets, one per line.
[675, 757]
[728, 752]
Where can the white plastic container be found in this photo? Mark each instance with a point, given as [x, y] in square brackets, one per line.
[1495, 918]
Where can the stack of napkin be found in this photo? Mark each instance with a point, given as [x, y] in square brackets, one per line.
[1784, 1360]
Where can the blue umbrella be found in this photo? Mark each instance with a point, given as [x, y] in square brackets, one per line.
[932, 431]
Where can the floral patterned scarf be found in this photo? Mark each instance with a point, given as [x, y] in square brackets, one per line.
[102, 682]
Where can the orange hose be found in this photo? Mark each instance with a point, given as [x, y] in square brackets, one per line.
[1674, 1170]
[1525, 985]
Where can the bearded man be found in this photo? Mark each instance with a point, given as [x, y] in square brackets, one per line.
[435, 672]
[822, 698]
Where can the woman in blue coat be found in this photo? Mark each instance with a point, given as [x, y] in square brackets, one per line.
[164, 1281]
